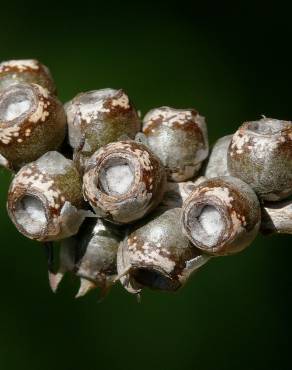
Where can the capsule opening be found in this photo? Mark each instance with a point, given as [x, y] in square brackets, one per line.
[154, 279]
[266, 126]
[116, 177]
[206, 225]
[30, 214]
[14, 103]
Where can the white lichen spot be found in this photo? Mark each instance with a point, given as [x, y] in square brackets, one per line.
[122, 101]
[7, 133]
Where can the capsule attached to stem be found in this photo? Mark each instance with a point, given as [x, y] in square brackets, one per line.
[157, 255]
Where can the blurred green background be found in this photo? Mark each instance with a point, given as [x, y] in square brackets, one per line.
[235, 66]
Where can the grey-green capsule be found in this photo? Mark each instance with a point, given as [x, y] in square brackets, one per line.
[217, 162]
[260, 153]
[96, 118]
[179, 138]
[157, 255]
[45, 199]
[26, 70]
[32, 122]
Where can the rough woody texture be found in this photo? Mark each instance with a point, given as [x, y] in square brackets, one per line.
[143, 194]
[45, 198]
[179, 138]
[98, 117]
[32, 122]
[157, 255]
[260, 153]
[221, 216]
[26, 70]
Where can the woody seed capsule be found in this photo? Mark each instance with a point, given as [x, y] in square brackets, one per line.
[260, 153]
[221, 216]
[32, 122]
[157, 255]
[124, 181]
[26, 70]
[45, 199]
[96, 118]
[179, 138]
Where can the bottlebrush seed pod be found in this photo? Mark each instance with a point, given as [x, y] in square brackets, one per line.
[124, 181]
[26, 70]
[157, 255]
[221, 216]
[45, 199]
[179, 138]
[277, 217]
[32, 122]
[260, 154]
[217, 161]
[98, 117]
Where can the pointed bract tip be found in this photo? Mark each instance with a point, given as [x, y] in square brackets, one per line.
[85, 287]
[54, 280]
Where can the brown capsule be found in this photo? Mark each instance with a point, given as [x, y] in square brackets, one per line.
[179, 138]
[221, 216]
[98, 117]
[157, 255]
[45, 199]
[124, 181]
[217, 162]
[32, 122]
[277, 217]
[260, 154]
[26, 70]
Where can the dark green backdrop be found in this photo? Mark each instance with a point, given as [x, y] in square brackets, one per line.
[235, 313]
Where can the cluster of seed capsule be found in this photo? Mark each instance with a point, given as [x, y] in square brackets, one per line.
[142, 202]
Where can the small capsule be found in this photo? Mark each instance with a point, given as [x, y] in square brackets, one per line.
[260, 153]
[221, 216]
[45, 199]
[179, 138]
[26, 70]
[157, 255]
[32, 122]
[98, 117]
[124, 181]
[217, 162]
